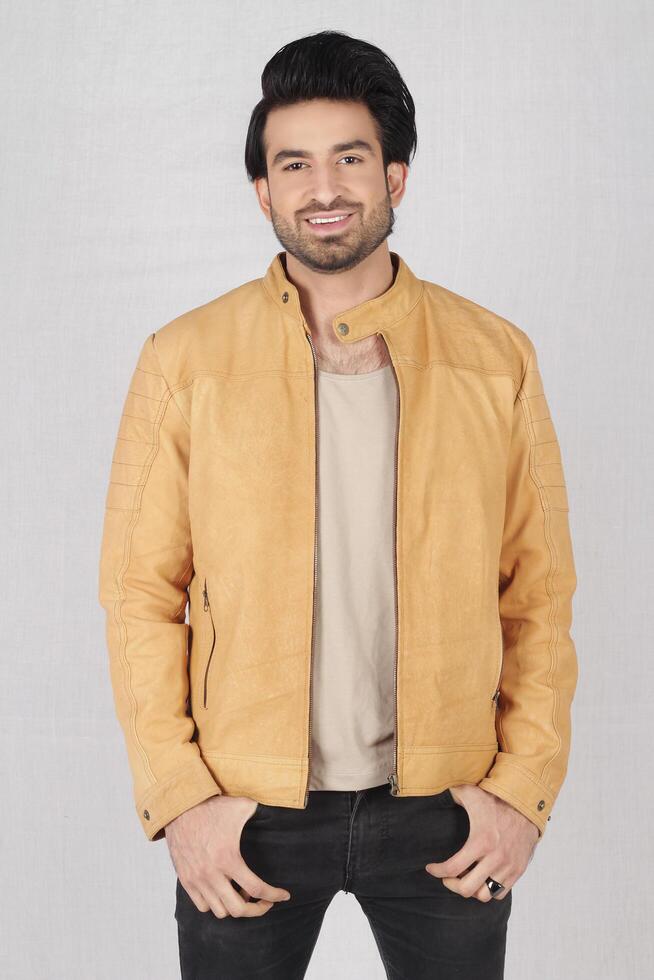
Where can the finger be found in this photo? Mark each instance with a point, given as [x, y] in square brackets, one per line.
[217, 907]
[256, 886]
[235, 904]
[215, 893]
[196, 897]
[504, 877]
[501, 895]
[211, 894]
[258, 907]
[247, 897]
[459, 862]
[497, 897]
[471, 884]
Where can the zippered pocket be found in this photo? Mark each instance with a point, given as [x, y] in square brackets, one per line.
[207, 610]
[496, 684]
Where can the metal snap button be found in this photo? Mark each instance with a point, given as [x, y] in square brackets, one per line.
[146, 814]
[343, 328]
[284, 297]
[541, 804]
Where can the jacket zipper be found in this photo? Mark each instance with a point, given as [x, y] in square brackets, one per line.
[315, 556]
[393, 776]
[207, 608]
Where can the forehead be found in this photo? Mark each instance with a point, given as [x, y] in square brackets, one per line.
[318, 126]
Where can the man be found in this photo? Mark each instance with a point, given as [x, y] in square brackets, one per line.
[351, 478]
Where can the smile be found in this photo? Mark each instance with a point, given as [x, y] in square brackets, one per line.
[329, 224]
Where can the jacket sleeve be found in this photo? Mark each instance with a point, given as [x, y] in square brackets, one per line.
[146, 564]
[536, 583]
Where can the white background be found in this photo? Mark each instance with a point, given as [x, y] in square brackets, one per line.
[124, 203]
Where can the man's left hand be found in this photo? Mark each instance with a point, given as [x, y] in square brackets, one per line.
[500, 845]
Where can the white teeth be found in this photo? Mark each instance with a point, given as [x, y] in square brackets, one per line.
[322, 221]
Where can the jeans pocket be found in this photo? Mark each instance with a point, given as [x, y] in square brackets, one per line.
[183, 901]
[254, 815]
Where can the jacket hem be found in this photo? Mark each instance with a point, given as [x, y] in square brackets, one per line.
[280, 781]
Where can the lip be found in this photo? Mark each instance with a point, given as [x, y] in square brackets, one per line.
[331, 227]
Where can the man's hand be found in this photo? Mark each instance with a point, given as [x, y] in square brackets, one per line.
[500, 845]
[204, 844]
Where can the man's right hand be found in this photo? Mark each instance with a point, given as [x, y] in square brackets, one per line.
[204, 844]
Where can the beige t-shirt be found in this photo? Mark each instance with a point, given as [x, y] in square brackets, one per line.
[353, 712]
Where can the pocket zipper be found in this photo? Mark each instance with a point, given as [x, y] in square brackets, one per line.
[207, 608]
[496, 687]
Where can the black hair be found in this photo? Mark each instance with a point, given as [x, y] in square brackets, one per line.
[333, 65]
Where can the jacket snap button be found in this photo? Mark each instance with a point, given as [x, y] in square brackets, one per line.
[146, 814]
[284, 297]
[541, 804]
[343, 328]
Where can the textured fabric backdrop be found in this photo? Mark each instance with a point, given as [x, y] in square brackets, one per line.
[125, 203]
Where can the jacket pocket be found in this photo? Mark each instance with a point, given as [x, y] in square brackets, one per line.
[212, 633]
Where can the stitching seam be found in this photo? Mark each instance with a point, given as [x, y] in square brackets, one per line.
[165, 401]
[547, 532]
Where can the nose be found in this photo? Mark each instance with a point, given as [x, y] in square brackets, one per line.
[327, 188]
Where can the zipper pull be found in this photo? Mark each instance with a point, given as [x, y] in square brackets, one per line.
[392, 779]
[206, 596]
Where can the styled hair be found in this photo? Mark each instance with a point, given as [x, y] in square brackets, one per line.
[333, 65]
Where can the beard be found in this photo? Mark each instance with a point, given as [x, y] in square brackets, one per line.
[343, 250]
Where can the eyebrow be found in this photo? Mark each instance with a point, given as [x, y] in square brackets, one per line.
[337, 148]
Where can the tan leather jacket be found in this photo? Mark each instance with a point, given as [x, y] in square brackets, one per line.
[213, 503]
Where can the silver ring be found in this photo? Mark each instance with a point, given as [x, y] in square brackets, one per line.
[494, 886]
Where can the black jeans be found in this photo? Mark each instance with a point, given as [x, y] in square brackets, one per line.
[374, 846]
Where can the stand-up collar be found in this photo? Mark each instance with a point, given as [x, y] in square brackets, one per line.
[378, 313]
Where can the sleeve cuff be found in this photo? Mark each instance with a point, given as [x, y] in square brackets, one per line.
[165, 800]
[513, 783]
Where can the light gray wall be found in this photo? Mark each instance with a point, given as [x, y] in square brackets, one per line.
[124, 203]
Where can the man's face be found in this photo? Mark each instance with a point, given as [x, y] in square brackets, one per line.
[324, 156]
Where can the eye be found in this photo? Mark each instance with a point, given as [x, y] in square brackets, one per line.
[298, 163]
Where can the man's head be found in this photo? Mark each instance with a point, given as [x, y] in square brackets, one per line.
[333, 134]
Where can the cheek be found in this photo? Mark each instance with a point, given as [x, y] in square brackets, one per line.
[286, 202]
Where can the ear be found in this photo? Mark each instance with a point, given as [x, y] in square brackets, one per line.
[396, 177]
[263, 195]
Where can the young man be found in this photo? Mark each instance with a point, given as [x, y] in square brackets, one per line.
[351, 477]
